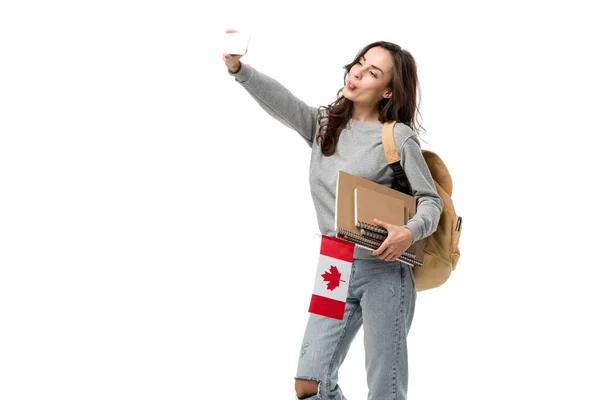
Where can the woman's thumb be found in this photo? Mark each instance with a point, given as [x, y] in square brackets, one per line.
[379, 222]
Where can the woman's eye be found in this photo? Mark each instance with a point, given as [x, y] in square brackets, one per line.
[372, 73]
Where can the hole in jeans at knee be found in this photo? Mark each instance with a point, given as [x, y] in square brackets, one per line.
[307, 387]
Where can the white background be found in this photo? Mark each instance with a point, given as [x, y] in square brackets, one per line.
[157, 234]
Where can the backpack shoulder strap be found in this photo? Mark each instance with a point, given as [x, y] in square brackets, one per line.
[389, 145]
[393, 159]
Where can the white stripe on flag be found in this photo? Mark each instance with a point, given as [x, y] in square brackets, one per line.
[340, 292]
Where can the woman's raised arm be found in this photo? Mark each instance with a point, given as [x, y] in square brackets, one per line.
[274, 98]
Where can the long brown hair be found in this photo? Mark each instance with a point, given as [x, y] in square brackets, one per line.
[402, 106]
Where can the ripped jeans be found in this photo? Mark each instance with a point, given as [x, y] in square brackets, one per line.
[381, 298]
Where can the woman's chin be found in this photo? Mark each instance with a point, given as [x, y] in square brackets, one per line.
[347, 94]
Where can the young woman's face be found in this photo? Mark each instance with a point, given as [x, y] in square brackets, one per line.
[368, 79]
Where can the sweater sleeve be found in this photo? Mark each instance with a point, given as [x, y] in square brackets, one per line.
[278, 101]
[429, 203]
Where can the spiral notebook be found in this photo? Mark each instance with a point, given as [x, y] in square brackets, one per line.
[345, 225]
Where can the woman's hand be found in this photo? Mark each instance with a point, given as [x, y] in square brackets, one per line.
[399, 239]
[232, 61]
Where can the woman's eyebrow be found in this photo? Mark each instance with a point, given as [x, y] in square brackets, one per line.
[363, 57]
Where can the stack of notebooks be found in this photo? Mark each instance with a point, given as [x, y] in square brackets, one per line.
[359, 200]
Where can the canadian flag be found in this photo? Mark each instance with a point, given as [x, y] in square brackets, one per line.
[332, 278]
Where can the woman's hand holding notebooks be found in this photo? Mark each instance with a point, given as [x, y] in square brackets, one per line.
[352, 225]
[383, 216]
[398, 240]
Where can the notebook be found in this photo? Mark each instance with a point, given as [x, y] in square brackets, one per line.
[369, 204]
[346, 228]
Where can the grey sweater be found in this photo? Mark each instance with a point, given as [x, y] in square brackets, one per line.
[359, 152]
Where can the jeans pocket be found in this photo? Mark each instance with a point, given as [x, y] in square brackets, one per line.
[410, 275]
[411, 272]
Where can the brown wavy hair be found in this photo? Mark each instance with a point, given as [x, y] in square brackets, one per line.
[401, 107]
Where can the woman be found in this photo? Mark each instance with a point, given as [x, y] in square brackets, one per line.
[380, 85]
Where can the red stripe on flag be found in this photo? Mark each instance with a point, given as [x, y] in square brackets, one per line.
[337, 248]
[327, 307]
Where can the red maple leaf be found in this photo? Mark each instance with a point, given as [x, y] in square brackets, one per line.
[332, 277]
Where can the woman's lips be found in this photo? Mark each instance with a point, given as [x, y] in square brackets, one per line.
[350, 85]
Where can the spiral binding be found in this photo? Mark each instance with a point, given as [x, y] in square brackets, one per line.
[364, 240]
[372, 228]
[370, 244]
[369, 234]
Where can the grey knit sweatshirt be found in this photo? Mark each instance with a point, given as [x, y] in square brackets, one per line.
[359, 152]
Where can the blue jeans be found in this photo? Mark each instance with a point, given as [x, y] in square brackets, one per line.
[381, 298]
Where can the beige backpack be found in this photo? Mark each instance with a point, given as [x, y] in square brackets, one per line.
[441, 247]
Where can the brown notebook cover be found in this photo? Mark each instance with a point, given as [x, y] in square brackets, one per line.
[344, 214]
[369, 204]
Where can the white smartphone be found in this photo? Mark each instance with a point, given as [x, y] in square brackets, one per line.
[235, 43]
